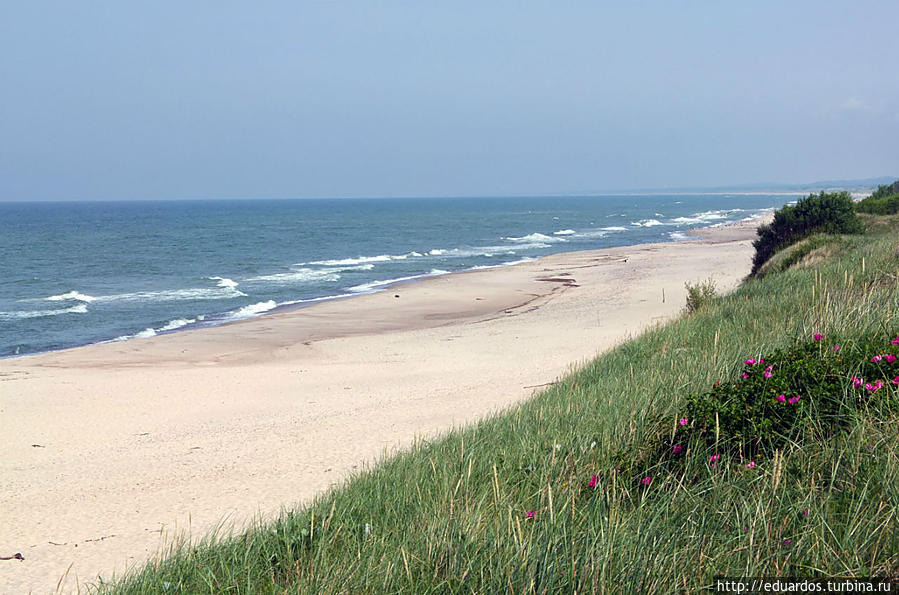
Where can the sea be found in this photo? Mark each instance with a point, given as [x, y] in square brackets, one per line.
[77, 273]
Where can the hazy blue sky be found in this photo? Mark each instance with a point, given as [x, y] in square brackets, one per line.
[215, 99]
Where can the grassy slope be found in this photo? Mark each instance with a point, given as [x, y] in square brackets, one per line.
[451, 515]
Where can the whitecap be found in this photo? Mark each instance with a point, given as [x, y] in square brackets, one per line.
[19, 315]
[614, 228]
[302, 275]
[71, 295]
[679, 236]
[174, 295]
[252, 310]
[647, 223]
[564, 232]
[362, 259]
[176, 324]
[532, 238]
[224, 281]
[374, 285]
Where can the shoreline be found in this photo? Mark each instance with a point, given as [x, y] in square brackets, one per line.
[117, 448]
[721, 233]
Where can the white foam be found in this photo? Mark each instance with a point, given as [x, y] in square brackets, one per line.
[252, 310]
[174, 295]
[679, 236]
[564, 232]
[592, 234]
[77, 309]
[532, 238]
[144, 334]
[363, 259]
[302, 275]
[614, 228]
[224, 281]
[375, 285]
[71, 295]
[176, 324]
[647, 223]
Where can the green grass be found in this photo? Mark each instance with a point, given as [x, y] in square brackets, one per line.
[451, 514]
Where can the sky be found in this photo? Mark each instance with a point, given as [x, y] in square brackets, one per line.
[311, 98]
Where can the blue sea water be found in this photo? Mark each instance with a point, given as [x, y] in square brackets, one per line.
[75, 273]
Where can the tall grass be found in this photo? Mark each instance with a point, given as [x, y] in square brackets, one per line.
[454, 514]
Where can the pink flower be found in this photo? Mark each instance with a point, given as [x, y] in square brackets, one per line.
[895, 341]
[781, 398]
[750, 362]
[768, 372]
[793, 400]
[818, 336]
[805, 512]
[677, 448]
[714, 458]
[876, 358]
[646, 480]
[896, 380]
[788, 542]
[594, 479]
[745, 375]
[683, 421]
[530, 514]
[750, 464]
[874, 387]
[890, 358]
[835, 348]
[857, 382]
[762, 361]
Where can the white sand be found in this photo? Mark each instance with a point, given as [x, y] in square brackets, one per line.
[110, 450]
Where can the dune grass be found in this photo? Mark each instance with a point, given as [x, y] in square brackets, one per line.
[530, 500]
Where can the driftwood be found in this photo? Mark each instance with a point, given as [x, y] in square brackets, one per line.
[17, 556]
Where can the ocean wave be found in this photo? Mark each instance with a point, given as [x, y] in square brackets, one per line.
[374, 285]
[224, 281]
[564, 232]
[19, 315]
[252, 310]
[533, 238]
[592, 234]
[174, 295]
[647, 223]
[363, 259]
[614, 228]
[481, 267]
[71, 295]
[298, 276]
[678, 236]
[486, 250]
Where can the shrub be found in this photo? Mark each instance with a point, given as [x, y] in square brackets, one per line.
[699, 295]
[884, 191]
[832, 213]
[777, 399]
[886, 205]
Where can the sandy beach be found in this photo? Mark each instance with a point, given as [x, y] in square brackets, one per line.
[111, 451]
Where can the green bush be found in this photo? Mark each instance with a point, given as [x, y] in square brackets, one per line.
[822, 213]
[777, 399]
[699, 295]
[884, 191]
[887, 205]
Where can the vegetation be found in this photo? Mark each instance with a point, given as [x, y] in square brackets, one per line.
[699, 295]
[884, 201]
[660, 465]
[830, 213]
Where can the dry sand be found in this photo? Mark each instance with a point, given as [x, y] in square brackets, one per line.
[111, 450]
